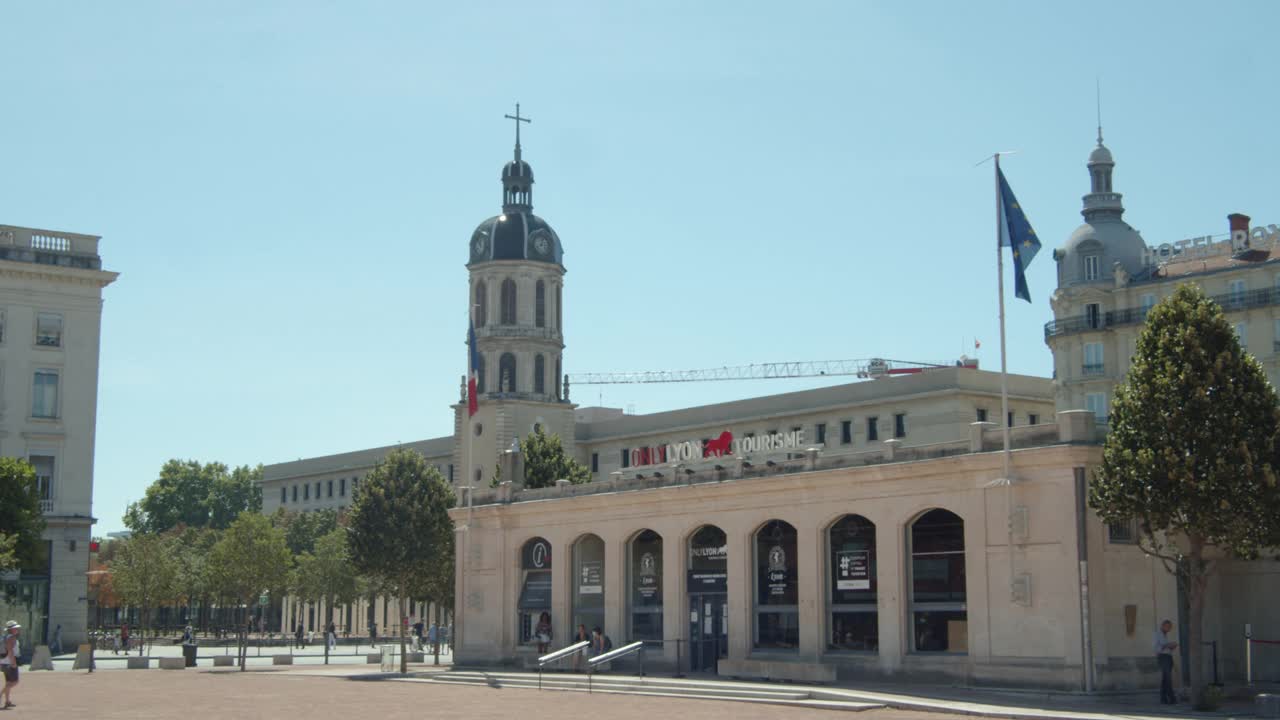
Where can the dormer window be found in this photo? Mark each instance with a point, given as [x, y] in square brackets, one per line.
[1092, 263]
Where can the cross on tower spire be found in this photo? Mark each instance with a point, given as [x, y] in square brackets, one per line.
[518, 120]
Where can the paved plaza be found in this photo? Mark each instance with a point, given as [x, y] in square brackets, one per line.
[329, 694]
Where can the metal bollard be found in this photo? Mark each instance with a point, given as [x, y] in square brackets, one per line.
[1248, 654]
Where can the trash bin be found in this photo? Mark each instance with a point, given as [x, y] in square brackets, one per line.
[189, 653]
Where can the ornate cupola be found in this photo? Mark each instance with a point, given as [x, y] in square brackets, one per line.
[1102, 200]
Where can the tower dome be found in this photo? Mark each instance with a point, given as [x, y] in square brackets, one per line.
[516, 234]
[1105, 238]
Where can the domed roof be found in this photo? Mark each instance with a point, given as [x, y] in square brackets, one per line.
[1100, 154]
[516, 235]
[517, 169]
[1111, 239]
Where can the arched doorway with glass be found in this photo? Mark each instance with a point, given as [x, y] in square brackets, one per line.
[644, 575]
[533, 608]
[707, 586]
[852, 619]
[777, 608]
[939, 614]
[588, 584]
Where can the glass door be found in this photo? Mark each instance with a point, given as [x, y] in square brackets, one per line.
[708, 631]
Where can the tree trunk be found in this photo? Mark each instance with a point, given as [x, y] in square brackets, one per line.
[435, 646]
[404, 659]
[1197, 581]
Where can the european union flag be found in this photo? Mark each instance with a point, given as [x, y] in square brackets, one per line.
[1016, 232]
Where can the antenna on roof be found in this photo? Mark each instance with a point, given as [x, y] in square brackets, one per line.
[1097, 87]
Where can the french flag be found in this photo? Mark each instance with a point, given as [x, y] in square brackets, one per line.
[473, 376]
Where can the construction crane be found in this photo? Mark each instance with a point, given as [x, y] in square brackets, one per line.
[874, 368]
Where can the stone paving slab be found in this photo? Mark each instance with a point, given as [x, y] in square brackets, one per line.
[221, 695]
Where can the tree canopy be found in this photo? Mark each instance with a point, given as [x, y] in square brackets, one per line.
[400, 532]
[195, 495]
[545, 461]
[303, 529]
[21, 522]
[144, 572]
[1191, 450]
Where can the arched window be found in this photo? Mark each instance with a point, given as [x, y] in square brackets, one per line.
[645, 577]
[939, 620]
[481, 304]
[480, 373]
[556, 379]
[508, 303]
[853, 623]
[540, 304]
[588, 584]
[507, 373]
[559, 326]
[534, 605]
[708, 598]
[777, 610]
[539, 374]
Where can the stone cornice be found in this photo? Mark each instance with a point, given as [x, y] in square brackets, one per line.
[55, 273]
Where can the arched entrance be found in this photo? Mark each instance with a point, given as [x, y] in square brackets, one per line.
[708, 598]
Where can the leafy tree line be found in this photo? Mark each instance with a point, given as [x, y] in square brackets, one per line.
[396, 540]
[545, 461]
[21, 522]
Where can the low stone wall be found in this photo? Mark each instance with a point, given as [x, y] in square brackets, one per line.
[172, 663]
[281, 659]
[138, 663]
[224, 660]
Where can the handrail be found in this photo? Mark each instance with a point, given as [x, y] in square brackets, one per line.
[560, 654]
[635, 647]
[563, 652]
[617, 653]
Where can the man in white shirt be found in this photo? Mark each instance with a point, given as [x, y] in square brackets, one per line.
[1164, 646]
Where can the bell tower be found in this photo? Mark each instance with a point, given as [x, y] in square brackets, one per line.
[516, 287]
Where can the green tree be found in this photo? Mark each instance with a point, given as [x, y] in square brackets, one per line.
[190, 494]
[249, 558]
[21, 522]
[233, 493]
[545, 462]
[144, 574]
[400, 531]
[1190, 451]
[327, 573]
[191, 553]
[303, 529]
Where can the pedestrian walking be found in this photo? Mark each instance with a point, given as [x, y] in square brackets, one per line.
[1164, 647]
[55, 647]
[124, 637]
[9, 662]
[433, 639]
[332, 637]
[298, 639]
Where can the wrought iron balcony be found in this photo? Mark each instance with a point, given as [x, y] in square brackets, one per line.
[1093, 370]
[46, 506]
[1230, 302]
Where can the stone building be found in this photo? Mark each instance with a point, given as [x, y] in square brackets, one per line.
[858, 530]
[50, 326]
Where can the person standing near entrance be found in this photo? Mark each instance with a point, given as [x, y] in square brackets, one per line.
[9, 662]
[1164, 647]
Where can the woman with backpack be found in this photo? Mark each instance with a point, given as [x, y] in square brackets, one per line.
[9, 661]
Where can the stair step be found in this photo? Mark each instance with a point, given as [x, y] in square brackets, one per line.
[606, 685]
[791, 700]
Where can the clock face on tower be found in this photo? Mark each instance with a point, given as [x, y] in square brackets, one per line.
[479, 244]
[541, 243]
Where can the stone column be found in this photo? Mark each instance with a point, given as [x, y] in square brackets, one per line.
[738, 539]
[891, 593]
[615, 588]
[675, 623]
[809, 564]
[561, 591]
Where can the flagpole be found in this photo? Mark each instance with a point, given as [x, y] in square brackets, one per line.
[1004, 381]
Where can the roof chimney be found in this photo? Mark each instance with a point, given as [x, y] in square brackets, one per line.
[1239, 231]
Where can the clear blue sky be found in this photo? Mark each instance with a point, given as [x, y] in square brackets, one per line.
[288, 188]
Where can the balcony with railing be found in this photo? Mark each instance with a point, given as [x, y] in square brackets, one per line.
[46, 506]
[1093, 370]
[1230, 302]
[49, 247]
